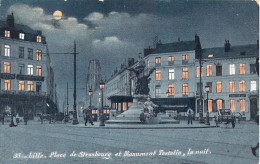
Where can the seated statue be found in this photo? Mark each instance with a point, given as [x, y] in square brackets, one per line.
[150, 106]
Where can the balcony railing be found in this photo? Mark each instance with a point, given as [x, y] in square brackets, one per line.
[32, 93]
[30, 77]
[7, 76]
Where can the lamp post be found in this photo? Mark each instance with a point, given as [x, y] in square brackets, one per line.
[90, 94]
[207, 119]
[75, 118]
[101, 118]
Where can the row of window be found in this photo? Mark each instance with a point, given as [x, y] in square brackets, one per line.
[30, 85]
[232, 105]
[171, 88]
[22, 36]
[232, 68]
[21, 52]
[185, 71]
[185, 74]
[7, 69]
[170, 59]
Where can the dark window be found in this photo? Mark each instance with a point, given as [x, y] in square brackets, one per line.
[252, 68]
[21, 52]
[219, 70]
[30, 53]
[210, 86]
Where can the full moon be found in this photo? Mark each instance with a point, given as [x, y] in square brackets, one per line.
[57, 15]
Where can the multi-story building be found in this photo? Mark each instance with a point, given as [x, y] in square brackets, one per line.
[26, 83]
[230, 73]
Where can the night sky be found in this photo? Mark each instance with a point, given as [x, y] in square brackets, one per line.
[117, 29]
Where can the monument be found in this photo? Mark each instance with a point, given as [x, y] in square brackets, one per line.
[143, 110]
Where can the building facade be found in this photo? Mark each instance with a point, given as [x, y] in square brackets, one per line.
[26, 84]
[175, 84]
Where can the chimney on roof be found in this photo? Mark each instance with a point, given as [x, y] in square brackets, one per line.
[131, 62]
[10, 20]
[227, 46]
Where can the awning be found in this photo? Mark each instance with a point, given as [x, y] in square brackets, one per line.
[120, 99]
[178, 104]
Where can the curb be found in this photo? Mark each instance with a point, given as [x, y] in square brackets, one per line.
[98, 127]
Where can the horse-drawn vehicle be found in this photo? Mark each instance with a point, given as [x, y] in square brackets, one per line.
[225, 116]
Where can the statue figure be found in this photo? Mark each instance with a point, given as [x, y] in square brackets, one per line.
[142, 87]
[150, 106]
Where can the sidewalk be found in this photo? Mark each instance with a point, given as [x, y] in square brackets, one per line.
[181, 125]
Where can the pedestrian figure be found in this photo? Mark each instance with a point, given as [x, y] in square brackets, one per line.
[17, 119]
[3, 118]
[49, 119]
[88, 117]
[190, 114]
[13, 121]
[25, 118]
[41, 117]
[254, 149]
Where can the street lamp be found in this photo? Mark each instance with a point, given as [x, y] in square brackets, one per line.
[102, 120]
[90, 94]
[207, 119]
[168, 93]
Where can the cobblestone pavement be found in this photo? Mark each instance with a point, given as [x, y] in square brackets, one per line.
[94, 145]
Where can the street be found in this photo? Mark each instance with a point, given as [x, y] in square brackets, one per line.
[63, 143]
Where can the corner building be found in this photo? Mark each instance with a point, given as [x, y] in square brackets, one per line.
[26, 78]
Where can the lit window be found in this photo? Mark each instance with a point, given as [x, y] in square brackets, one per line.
[171, 59]
[242, 105]
[242, 86]
[7, 50]
[99, 99]
[210, 56]
[210, 105]
[185, 73]
[39, 55]
[184, 57]
[129, 104]
[219, 104]
[21, 36]
[209, 70]
[39, 70]
[198, 71]
[171, 74]
[30, 69]
[158, 75]
[30, 86]
[231, 87]
[171, 90]
[232, 105]
[8, 85]
[219, 87]
[7, 34]
[231, 69]
[185, 90]
[242, 69]
[39, 39]
[7, 67]
[124, 106]
[158, 60]
[21, 85]
[253, 86]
